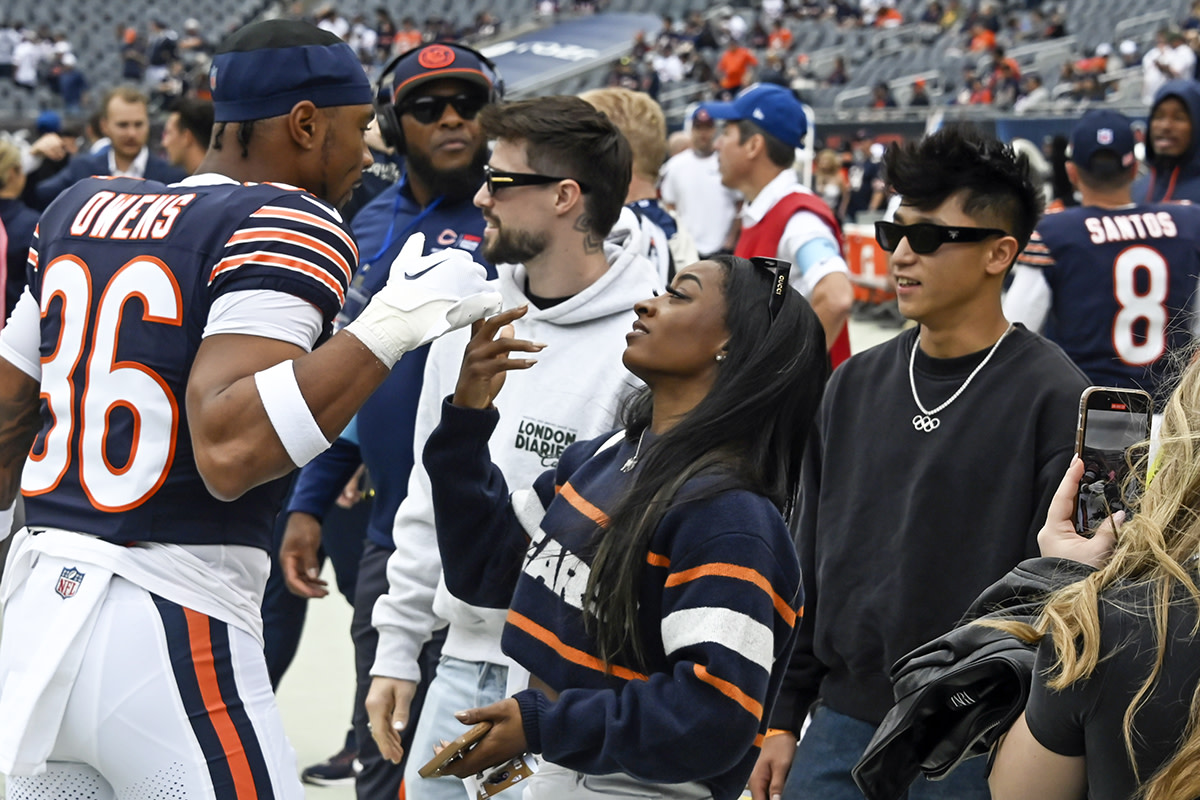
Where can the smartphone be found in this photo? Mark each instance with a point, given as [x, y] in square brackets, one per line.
[454, 751]
[1111, 421]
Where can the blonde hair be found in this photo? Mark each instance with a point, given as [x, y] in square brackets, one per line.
[10, 156]
[1156, 548]
[641, 119]
[828, 161]
[130, 94]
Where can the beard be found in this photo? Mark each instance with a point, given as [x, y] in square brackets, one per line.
[460, 183]
[514, 246]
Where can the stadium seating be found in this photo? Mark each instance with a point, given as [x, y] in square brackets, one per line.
[897, 56]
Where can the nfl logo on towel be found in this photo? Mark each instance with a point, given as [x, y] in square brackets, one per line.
[68, 582]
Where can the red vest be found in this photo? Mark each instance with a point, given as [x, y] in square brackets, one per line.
[763, 240]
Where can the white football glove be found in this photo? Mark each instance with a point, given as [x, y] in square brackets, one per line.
[424, 297]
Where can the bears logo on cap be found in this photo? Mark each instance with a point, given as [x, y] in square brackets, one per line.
[436, 56]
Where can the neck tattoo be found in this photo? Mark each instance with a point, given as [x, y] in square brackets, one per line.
[926, 421]
[631, 462]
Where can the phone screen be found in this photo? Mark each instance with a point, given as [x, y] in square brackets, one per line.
[1103, 490]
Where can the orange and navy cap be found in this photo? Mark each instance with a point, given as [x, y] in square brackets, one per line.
[434, 62]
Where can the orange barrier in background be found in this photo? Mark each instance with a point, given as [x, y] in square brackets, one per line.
[868, 265]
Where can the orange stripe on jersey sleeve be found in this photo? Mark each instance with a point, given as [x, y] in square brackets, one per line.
[278, 260]
[737, 572]
[729, 690]
[583, 506]
[566, 651]
[295, 215]
[206, 675]
[758, 741]
[655, 560]
[293, 237]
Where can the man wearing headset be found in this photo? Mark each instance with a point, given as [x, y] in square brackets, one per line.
[427, 104]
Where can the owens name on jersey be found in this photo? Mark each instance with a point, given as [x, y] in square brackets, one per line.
[125, 273]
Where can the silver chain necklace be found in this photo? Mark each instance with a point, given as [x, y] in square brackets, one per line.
[631, 462]
[926, 421]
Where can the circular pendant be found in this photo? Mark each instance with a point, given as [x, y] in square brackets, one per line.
[926, 423]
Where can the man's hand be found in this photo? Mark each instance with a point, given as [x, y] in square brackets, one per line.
[49, 145]
[486, 360]
[505, 741]
[774, 762]
[388, 703]
[352, 492]
[1058, 537]
[298, 556]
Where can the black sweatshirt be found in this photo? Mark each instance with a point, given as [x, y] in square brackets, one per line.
[901, 529]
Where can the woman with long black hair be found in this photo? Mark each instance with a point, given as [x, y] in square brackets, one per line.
[652, 584]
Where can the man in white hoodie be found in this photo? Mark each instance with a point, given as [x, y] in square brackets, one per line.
[554, 188]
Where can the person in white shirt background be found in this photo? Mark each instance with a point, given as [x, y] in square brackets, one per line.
[691, 188]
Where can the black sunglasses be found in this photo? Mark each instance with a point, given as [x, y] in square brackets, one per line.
[430, 108]
[779, 270]
[925, 237]
[496, 179]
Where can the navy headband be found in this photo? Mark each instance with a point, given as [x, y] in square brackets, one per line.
[268, 82]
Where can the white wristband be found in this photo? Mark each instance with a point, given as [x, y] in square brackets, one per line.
[289, 413]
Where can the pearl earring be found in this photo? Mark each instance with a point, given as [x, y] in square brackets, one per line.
[720, 356]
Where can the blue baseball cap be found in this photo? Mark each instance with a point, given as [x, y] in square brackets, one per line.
[1102, 131]
[265, 68]
[49, 122]
[771, 107]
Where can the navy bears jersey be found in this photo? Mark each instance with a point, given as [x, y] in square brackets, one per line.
[125, 272]
[1123, 284]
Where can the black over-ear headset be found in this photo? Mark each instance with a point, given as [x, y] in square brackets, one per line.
[385, 90]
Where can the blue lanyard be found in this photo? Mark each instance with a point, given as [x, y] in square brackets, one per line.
[408, 229]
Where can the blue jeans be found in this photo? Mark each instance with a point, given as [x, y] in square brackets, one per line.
[459, 685]
[832, 746]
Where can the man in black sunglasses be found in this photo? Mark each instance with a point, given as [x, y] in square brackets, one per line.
[934, 460]
[428, 112]
[553, 189]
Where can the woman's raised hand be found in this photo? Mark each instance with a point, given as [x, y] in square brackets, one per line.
[1058, 536]
[488, 359]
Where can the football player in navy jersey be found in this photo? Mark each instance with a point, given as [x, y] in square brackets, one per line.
[1111, 281]
[157, 378]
